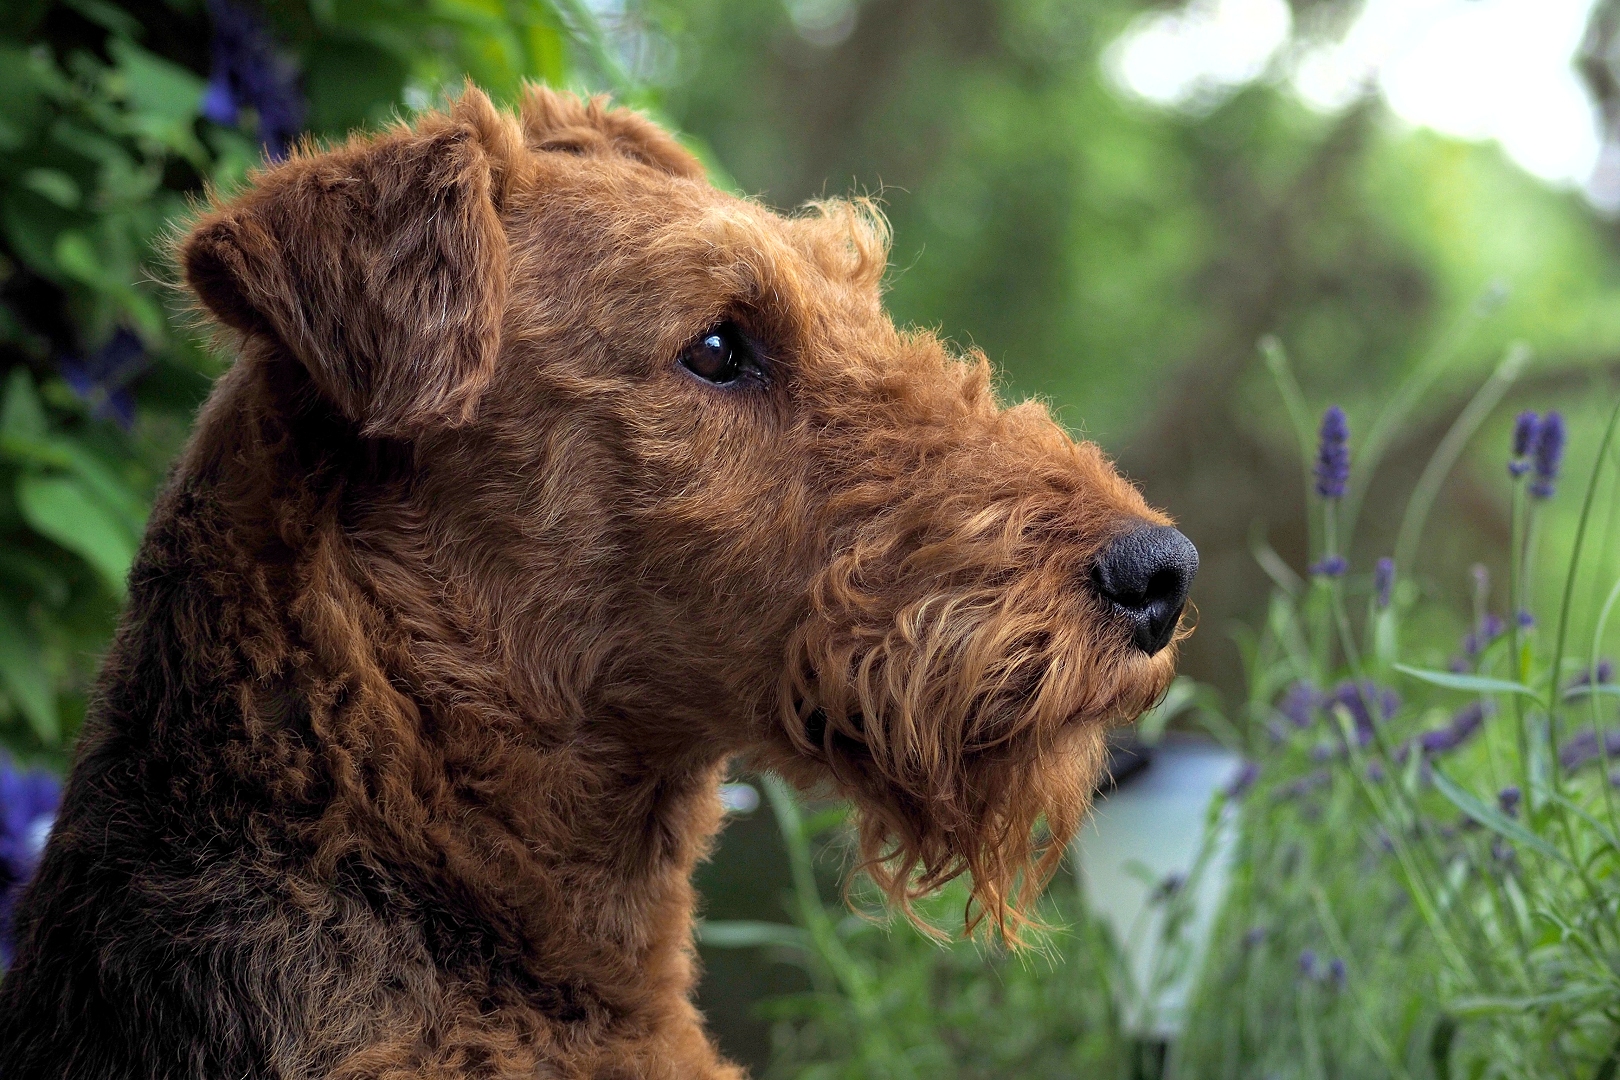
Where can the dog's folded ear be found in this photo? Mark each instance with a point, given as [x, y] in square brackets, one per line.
[380, 265]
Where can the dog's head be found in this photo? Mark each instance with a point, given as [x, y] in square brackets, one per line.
[698, 485]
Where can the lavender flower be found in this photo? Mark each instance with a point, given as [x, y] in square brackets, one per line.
[1525, 620]
[28, 802]
[1240, 783]
[1584, 748]
[1508, 799]
[1330, 566]
[1440, 740]
[1337, 972]
[1490, 628]
[248, 71]
[1525, 429]
[1384, 580]
[1307, 963]
[1333, 455]
[1299, 703]
[1603, 673]
[1306, 784]
[1549, 456]
[102, 381]
[1356, 701]
[1463, 726]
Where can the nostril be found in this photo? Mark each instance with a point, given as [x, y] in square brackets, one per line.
[1145, 574]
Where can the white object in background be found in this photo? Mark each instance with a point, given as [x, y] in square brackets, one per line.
[1138, 837]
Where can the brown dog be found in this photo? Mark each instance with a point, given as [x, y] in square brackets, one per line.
[549, 480]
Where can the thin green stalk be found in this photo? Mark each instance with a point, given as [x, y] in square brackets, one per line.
[1603, 743]
[1445, 456]
[1394, 414]
[1569, 593]
[853, 981]
[1518, 531]
[1408, 806]
[1341, 946]
[1282, 373]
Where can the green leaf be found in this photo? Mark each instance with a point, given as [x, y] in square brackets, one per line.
[750, 934]
[1515, 1005]
[55, 185]
[23, 674]
[1473, 684]
[1592, 690]
[65, 510]
[21, 415]
[76, 257]
[1494, 819]
[164, 91]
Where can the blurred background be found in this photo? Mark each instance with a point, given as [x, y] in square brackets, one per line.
[1115, 200]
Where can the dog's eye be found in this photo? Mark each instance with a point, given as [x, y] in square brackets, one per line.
[720, 355]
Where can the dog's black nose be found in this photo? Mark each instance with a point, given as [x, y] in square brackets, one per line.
[1146, 574]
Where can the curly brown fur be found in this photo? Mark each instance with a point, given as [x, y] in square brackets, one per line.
[466, 591]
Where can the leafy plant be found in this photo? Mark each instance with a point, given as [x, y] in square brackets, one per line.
[1447, 833]
[113, 123]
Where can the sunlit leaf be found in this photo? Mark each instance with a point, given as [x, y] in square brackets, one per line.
[21, 414]
[63, 509]
[749, 934]
[1473, 684]
[1492, 818]
[23, 674]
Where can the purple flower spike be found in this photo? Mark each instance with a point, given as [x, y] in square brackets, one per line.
[1307, 963]
[1330, 566]
[249, 71]
[1243, 781]
[1464, 726]
[1356, 701]
[102, 380]
[1525, 429]
[1603, 673]
[1525, 620]
[1584, 748]
[1333, 455]
[1508, 799]
[1549, 456]
[1337, 972]
[28, 802]
[1384, 580]
[1299, 703]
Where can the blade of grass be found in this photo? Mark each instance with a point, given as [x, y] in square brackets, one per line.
[1569, 588]
[1394, 414]
[1445, 456]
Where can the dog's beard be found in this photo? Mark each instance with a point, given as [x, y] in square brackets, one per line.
[969, 733]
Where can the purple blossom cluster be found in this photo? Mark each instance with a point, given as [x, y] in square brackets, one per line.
[1333, 454]
[1584, 748]
[102, 379]
[1334, 972]
[28, 803]
[1360, 700]
[248, 72]
[1302, 704]
[1463, 726]
[1538, 448]
[1383, 581]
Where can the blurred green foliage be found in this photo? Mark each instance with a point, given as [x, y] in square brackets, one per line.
[103, 149]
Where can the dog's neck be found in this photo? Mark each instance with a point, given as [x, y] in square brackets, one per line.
[524, 824]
